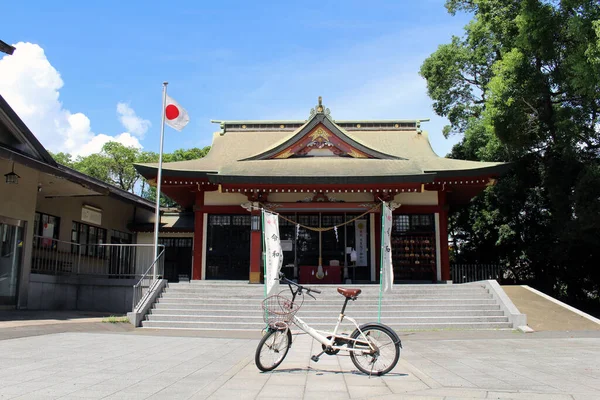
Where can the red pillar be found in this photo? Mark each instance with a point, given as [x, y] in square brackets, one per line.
[255, 250]
[198, 235]
[444, 253]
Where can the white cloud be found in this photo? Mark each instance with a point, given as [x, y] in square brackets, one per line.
[96, 143]
[31, 85]
[133, 123]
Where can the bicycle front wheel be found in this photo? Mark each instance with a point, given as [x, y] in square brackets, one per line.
[272, 349]
[381, 356]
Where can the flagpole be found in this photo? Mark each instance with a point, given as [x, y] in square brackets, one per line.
[159, 179]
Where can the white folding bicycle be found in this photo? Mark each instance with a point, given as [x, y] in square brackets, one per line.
[374, 348]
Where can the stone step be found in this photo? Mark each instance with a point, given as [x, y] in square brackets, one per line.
[433, 302]
[225, 284]
[311, 319]
[324, 295]
[330, 299]
[325, 292]
[259, 326]
[187, 286]
[351, 308]
[332, 314]
[227, 305]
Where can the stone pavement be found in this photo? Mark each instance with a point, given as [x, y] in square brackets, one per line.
[433, 365]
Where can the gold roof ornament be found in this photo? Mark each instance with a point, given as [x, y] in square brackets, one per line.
[320, 109]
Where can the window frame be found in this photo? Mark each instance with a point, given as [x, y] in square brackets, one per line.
[100, 236]
[38, 228]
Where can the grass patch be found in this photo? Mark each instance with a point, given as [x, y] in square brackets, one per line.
[113, 319]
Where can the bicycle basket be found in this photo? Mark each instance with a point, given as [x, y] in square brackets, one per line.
[279, 311]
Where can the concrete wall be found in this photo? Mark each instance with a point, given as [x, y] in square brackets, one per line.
[49, 292]
[18, 202]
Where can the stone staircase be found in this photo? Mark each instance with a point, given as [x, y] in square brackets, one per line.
[232, 305]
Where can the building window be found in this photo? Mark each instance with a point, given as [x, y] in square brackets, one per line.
[89, 238]
[414, 223]
[47, 227]
[119, 237]
[220, 220]
[176, 242]
[241, 220]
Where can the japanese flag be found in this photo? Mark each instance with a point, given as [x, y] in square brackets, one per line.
[175, 115]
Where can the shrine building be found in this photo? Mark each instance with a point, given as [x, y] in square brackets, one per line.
[326, 179]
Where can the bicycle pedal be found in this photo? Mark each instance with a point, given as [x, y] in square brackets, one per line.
[315, 358]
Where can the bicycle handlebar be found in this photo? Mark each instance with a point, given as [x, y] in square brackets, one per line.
[283, 279]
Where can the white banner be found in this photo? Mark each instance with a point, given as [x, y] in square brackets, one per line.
[273, 252]
[360, 229]
[387, 269]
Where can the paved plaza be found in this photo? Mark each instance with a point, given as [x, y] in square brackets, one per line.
[145, 364]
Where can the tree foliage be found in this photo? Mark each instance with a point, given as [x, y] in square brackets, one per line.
[114, 165]
[523, 85]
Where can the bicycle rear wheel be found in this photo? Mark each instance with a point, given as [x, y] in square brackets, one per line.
[272, 349]
[380, 360]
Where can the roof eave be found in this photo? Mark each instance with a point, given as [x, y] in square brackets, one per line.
[150, 172]
[292, 180]
[496, 170]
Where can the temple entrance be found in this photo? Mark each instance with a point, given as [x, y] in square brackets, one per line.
[228, 247]
[306, 250]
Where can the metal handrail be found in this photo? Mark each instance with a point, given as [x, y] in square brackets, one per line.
[112, 260]
[138, 295]
[97, 244]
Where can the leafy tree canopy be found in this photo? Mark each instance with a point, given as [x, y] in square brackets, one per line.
[523, 85]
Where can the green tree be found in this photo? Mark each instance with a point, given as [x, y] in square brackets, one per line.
[95, 165]
[63, 158]
[186, 154]
[146, 157]
[120, 165]
[113, 165]
[523, 85]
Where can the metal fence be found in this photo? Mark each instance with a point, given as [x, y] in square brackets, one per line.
[462, 273]
[56, 257]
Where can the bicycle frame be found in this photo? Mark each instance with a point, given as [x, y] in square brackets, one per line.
[321, 336]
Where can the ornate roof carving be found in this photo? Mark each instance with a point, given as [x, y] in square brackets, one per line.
[320, 136]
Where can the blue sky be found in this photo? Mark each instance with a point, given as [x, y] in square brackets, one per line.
[223, 60]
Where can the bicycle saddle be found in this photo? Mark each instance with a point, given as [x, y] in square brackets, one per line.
[350, 293]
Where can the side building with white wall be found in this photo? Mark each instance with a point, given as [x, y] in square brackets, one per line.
[65, 241]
